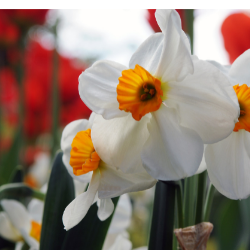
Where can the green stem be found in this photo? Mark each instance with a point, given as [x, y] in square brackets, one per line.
[202, 183]
[190, 188]
[19, 190]
[176, 223]
[19, 76]
[179, 205]
[162, 226]
[189, 14]
[25, 246]
[55, 96]
[209, 201]
[38, 195]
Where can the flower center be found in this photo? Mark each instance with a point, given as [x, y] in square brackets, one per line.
[139, 92]
[30, 180]
[243, 94]
[35, 231]
[83, 157]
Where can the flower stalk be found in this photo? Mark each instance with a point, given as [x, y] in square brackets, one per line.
[179, 197]
[209, 201]
[190, 188]
[19, 71]
[161, 235]
[201, 191]
[55, 94]
[190, 27]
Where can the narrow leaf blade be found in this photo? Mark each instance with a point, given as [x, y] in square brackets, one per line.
[60, 193]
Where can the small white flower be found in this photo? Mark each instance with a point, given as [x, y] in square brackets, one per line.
[18, 223]
[39, 171]
[120, 221]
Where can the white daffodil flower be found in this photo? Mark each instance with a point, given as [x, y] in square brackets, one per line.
[122, 242]
[117, 237]
[18, 223]
[228, 161]
[83, 162]
[120, 222]
[164, 107]
[39, 171]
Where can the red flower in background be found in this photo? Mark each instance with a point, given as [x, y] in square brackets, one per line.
[38, 90]
[154, 24]
[26, 17]
[9, 33]
[236, 33]
[38, 64]
[8, 96]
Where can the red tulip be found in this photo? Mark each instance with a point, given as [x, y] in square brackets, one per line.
[153, 23]
[8, 96]
[236, 33]
[26, 17]
[9, 33]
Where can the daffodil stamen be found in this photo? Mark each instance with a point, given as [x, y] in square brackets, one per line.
[83, 157]
[243, 94]
[35, 231]
[139, 92]
[242, 112]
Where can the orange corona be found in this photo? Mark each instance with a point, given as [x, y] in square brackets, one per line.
[83, 157]
[139, 92]
[243, 94]
[35, 231]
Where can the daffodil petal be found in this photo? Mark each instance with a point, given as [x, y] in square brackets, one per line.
[121, 243]
[19, 245]
[239, 70]
[115, 183]
[35, 209]
[172, 152]
[79, 207]
[40, 169]
[165, 55]
[7, 230]
[106, 208]
[206, 102]
[34, 244]
[80, 187]
[175, 62]
[17, 214]
[203, 165]
[228, 165]
[97, 88]
[68, 135]
[149, 53]
[122, 216]
[119, 141]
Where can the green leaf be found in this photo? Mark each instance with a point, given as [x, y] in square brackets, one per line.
[90, 233]
[15, 191]
[9, 161]
[190, 195]
[18, 175]
[245, 213]
[228, 225]
[25, 246]
[59, 194]
[162, 226]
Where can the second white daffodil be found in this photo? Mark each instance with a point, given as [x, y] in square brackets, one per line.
[164, 107]
[82, 160]
[228, 161]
